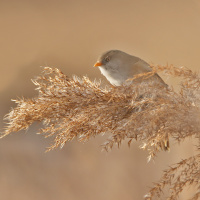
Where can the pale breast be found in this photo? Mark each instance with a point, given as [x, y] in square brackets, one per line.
[114, 78]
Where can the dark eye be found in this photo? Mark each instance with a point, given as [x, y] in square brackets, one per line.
[107, 59]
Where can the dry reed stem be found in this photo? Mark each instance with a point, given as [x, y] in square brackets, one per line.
[146, 111]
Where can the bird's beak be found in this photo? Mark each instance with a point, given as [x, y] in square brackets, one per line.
[98, 64]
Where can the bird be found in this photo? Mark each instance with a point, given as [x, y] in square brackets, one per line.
[119, 68]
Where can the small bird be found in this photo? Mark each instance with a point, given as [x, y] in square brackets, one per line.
[119, 68]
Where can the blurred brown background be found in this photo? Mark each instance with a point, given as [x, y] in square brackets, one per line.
[70, 35]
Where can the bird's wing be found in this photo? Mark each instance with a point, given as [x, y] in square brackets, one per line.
[141, 66]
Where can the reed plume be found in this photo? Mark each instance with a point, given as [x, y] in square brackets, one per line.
[145, 111]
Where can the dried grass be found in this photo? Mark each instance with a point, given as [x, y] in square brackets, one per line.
[146, 111]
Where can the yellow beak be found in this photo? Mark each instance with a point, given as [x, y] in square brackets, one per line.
[98, 64]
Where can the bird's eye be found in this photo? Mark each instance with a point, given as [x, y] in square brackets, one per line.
[107, 59]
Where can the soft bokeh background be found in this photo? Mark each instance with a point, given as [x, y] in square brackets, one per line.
[70, 35]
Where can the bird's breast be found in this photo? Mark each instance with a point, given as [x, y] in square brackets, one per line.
[113, 77]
